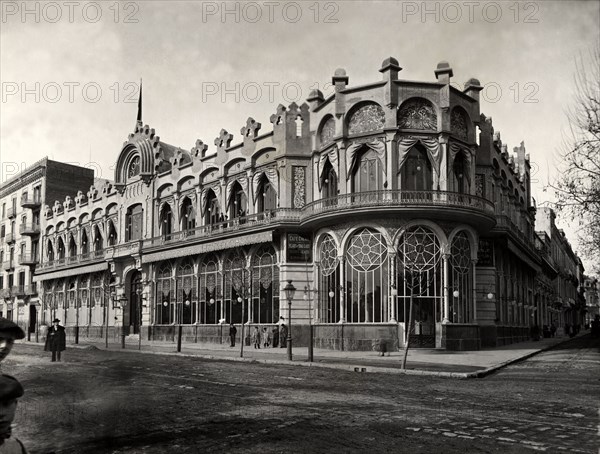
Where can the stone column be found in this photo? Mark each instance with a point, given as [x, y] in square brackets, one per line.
[445, 258]
[393, 299]
[341, 289]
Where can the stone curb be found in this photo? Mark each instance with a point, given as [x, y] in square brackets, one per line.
[344, 366]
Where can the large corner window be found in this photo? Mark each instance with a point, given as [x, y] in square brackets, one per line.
[367, 173]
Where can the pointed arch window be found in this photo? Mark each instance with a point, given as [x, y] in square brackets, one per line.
[210, 295]
[235, 286]
[134, 221]
[416, 173]
[98, 241]
[267, 196]
[166, 221]
[164, 295]
[188, 215]
[187, 293]
[264, 305]
[61, 249]
[368, 172]
[85, 246]
[329, 184]
[72, 246]
[460, 174]
[50, 252]
[238, 202]
[112, 233]
[212, 210]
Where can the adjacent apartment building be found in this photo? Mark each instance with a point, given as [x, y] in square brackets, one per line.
[21, 200]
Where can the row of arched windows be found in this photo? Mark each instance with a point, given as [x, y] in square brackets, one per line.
[216, 291]
[370, 285]
[415, 173]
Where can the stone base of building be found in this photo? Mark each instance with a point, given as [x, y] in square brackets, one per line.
[335, 336]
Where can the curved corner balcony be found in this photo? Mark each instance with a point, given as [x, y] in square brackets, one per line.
[409, 204]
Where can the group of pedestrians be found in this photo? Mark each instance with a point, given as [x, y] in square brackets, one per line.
[277, 337]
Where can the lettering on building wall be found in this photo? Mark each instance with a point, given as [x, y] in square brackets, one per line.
[299, 247]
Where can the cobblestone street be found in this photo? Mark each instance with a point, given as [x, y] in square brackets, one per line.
[97, 402]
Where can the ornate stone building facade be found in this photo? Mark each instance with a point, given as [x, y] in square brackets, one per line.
[375, 199]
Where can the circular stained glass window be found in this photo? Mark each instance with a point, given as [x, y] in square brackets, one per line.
[366, 251]
[420, 250]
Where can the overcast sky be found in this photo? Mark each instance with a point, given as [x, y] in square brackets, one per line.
[210, 65]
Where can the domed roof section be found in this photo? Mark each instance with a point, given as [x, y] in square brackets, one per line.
[389, 61]
[340, 72]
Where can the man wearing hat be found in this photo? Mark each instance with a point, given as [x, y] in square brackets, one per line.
[55, 340]
[10, 391]
[9, 332]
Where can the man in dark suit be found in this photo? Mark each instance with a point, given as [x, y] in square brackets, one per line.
[56, 340]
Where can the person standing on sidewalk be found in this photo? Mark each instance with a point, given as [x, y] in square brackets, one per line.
[265, 337]
[275, 336]
[9, 332]
[283, 332]
[232, 333]
[256, 337]
[56, 340]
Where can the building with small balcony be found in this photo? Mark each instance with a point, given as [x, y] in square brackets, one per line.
[21, 199]
[373, 199]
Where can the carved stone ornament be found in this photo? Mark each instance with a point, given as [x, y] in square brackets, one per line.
[417, 114]
[327, 132]
[370, 117]
[458, 124]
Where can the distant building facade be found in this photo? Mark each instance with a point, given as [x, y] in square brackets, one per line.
[375, 198]
[591, 287]
[21, 200]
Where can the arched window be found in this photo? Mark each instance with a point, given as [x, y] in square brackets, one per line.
[71, 296]
[98, 241]
[133, 168]
[416, 173]
[460, 174]
[461, 307]
[367, 173]
[72, 246]
[366, 278]
[238, 202]
[83, 299]
[166, 221]
[329, 184]
[210, 295]
[97, 291]
[60, 293]
[112, 233]
[50, 252]
[329, 275]
[266, 197]
[85, 246]
[164, 295]
[61, 248]
[188, 215]
[419, 278]
[134, 221]
[235, 287]
[265, 286]
[212, 210]
[187, 293]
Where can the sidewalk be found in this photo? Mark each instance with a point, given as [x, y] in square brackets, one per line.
[468, 364]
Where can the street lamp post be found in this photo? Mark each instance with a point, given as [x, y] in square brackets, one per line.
[242, 339]
[113, 297]
[77, 304]
[123, 304]
[289, 294]
[308, 296]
